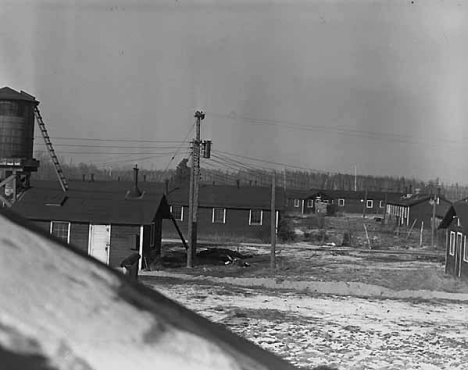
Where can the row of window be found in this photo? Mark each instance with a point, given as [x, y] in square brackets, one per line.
[460, 240]
[341, 203]
[218, 215]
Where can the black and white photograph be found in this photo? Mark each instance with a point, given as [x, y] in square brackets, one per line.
[233, 184]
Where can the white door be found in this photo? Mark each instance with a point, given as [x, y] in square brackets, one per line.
[99, 242]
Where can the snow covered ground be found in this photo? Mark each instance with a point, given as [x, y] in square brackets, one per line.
[346, 332]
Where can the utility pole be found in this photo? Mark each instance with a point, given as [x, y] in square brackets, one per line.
[365, 205]
[355, 178]
[190, 212]
[273, 223]
[434, 203]
[195, 179]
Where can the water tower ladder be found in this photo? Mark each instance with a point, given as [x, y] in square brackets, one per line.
[50, 148]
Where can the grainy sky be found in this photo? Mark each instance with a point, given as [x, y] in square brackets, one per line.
[320, 84]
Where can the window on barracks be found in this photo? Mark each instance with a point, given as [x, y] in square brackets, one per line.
[256, 217]
[60, 230]
[370, 204]
[296, 202]
[178, 212]
[219, 215]
[310, 203]
[465, 254]
[452, 243]
[381, 204]
[341, 202]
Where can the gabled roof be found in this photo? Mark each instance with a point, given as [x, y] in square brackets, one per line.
[416, 199]
[297, 193]
[7, 93]
[458, 209]
[231, 196]
[94, 202]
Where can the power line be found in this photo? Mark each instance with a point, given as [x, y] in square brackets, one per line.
[110, 146]
[402, 138]
[116, 153]
[112, 140]
[274, 163]
[184, 141]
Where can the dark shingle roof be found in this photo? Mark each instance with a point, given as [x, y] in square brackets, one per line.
[95, 202]
[228, 196]
[297, 193]
[7, 93]
[459, 209]
[350, 194]
[416, 199]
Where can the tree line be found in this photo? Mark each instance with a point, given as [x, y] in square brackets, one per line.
[289, 179]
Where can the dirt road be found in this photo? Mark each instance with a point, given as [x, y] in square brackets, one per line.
[344, 331]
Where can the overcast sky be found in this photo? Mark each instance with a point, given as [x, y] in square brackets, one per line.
[320, 84]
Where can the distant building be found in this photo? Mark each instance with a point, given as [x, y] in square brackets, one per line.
[296, 201]
[109, 220]
[417, 209]
[227, 211]
[456, 224]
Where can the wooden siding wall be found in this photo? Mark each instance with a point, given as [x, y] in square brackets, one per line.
[79, 236]
[237, 225]
[79, 233]
[121, 243]
[45, 225]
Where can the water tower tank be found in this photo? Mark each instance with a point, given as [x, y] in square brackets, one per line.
[16, 125]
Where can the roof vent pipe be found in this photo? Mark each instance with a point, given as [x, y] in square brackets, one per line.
[135, 192]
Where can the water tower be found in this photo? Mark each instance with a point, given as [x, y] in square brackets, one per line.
[16, 142]
[18, 112]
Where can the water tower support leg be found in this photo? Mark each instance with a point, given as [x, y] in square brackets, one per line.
[7, 180]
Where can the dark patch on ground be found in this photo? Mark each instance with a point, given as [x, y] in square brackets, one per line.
[208, 257]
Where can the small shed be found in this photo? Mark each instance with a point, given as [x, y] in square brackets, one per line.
[456, 254]
[107, 219]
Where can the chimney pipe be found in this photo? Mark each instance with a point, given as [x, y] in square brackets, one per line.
[135, 192]
[144, 178]
[92, 177]
[214, 183]
[250, 183]
[411, 189]
[166, 187]
[238, 183]
[84, 177]
[118, 178]
[439, 191]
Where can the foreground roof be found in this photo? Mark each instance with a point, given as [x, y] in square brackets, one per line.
[231, 196]
[94, 202]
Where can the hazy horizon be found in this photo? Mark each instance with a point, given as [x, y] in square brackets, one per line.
[324, 85]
